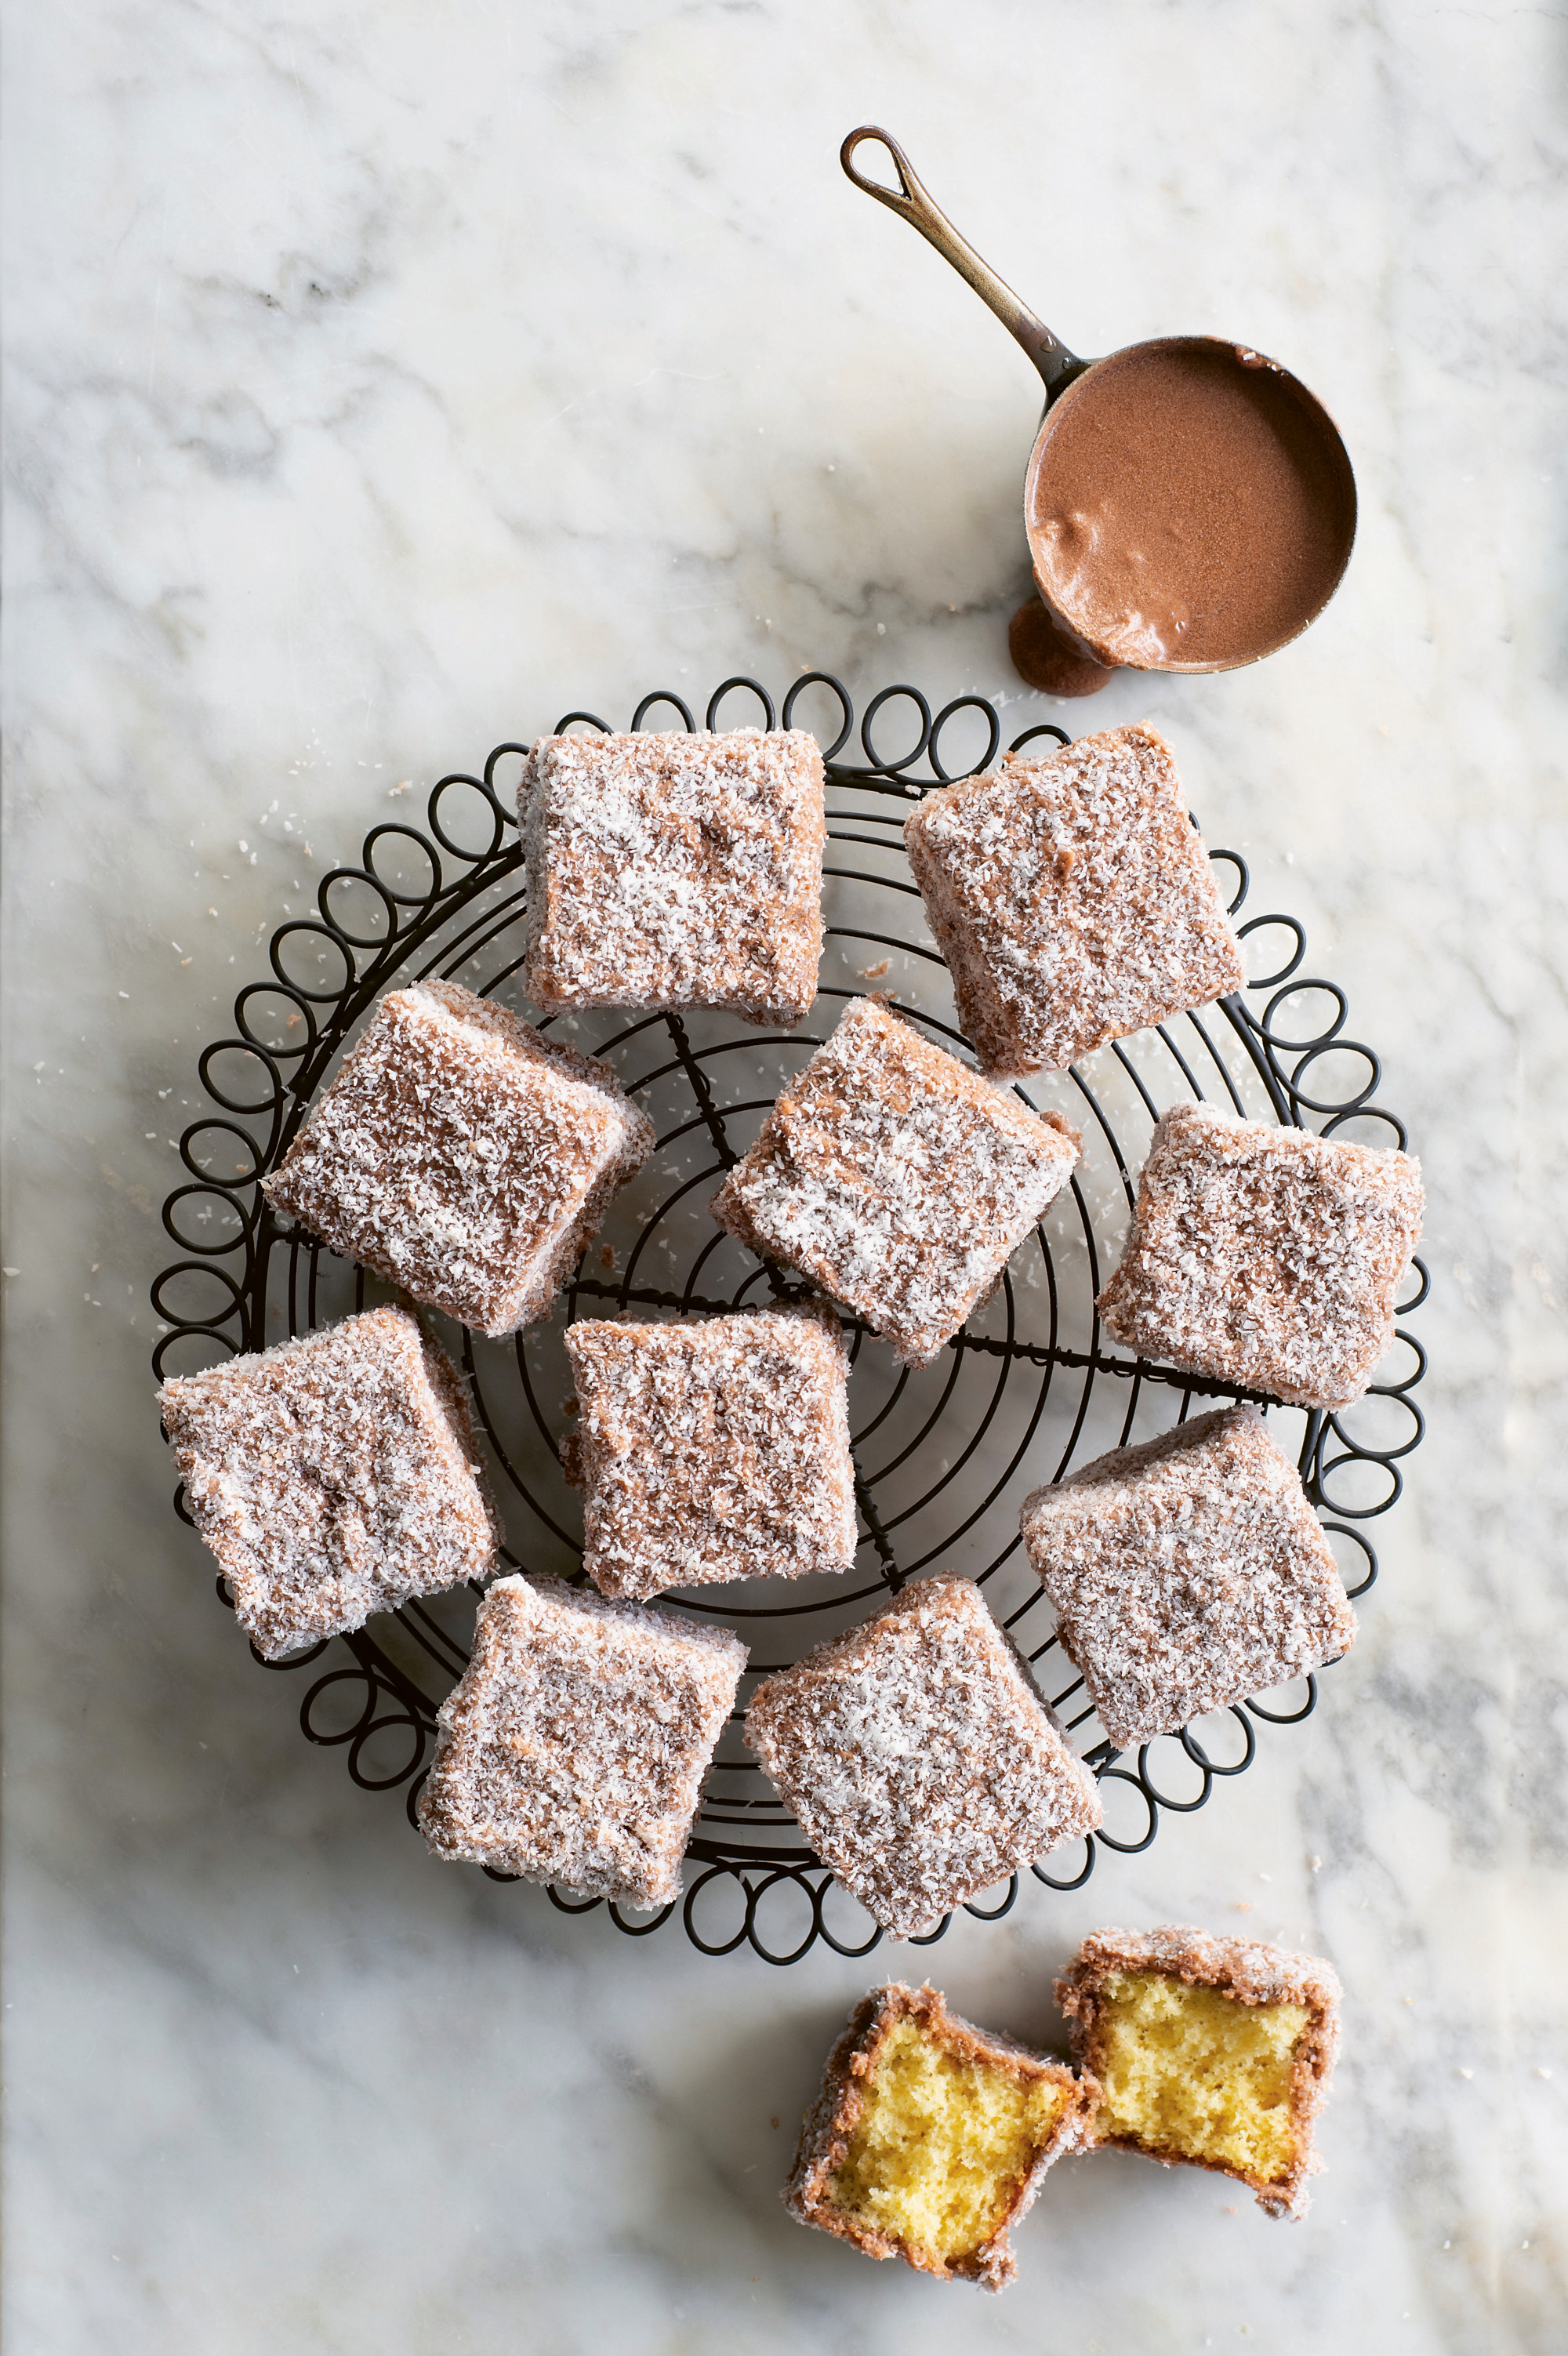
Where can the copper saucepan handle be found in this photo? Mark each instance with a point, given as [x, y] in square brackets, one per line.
[1050, 355]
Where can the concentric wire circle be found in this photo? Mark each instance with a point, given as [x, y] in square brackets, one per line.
[945, 1454]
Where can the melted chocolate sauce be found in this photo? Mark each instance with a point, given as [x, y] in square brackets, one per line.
[1187, 507]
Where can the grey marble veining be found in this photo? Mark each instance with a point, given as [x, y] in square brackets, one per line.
[383, 382]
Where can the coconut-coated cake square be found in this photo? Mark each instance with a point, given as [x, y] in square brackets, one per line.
[896, 1178]
[1187, 1573]
[462, 1156]
[919, 1757]
[1265, 1256]
[574, 1748]
[333, 1476]
[715, 1448]
[1072, 899]
[668, 870]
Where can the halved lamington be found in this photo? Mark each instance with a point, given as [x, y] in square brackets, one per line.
[930, 2137]
[1206, 2053]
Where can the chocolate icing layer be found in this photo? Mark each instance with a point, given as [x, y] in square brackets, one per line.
[1188, 507]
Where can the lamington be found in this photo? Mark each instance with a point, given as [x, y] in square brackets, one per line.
[1072, 898]
[573, 1748]
[919, 1757]
[716, 1449]
[462, 1156]
[896, 1178]
[1265, 1256]
[1187, 1573]
[930, 2137]
[668, 871]
[1206, 2053]
[333, 1476]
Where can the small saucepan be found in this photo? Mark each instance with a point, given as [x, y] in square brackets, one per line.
[1189, 503]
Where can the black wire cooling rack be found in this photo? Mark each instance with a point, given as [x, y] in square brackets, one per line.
[945, 1454]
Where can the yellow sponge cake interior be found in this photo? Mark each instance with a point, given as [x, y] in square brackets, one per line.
[930, 2137]
[1193, 2073]
[943, 2143]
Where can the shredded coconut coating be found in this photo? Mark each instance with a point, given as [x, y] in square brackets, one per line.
[919, 1759]
[896, 1178]
[1251, 1972]
[575, 1747]
[831, 2123]
[1185, 1574]
[333, 1476]
[717, 1450]
[1072, 899]
[670, 870]
[1265, 1256]
[462, 1156]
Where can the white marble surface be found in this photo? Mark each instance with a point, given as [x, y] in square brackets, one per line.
[384, 380]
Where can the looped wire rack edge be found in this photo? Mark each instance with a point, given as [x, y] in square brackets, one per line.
[1028, 1389]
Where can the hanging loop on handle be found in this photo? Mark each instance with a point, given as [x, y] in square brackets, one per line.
[1050, 355]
